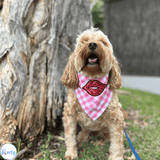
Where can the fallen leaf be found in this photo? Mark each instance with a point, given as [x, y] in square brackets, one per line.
[59, 138]
[79, 145]
[94, 133]
[131, 158]
[53, 150]
[101, 142]
[145, 123]
[148, 117]
[134, 133]
[136, 122]
[81, 154]
[38, 155]
[92, 142]
[107, 155]
[151, 121]
[128, 124]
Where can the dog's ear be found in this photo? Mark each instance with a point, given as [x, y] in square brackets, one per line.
[115, 79]
[70, 77]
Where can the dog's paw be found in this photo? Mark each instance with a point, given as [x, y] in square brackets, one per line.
[83, 136]
[71, 155]
[115, 158]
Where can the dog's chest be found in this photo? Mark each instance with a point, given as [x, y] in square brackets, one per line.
[84, 120]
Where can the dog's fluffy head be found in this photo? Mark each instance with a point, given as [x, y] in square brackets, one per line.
[93, 57]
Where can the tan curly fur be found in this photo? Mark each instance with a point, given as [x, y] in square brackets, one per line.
[110, 123]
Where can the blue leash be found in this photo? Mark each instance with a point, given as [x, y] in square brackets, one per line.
[133, 150]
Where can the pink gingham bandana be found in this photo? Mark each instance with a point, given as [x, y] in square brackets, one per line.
[93, 95]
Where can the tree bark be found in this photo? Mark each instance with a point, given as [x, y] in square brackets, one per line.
[36, 39]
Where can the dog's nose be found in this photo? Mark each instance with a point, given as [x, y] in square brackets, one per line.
[92, 46]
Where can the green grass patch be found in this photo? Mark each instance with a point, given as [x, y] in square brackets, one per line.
[147, 103]
[147, 139]
[45, 147]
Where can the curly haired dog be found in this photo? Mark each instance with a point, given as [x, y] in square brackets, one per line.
[92, 64]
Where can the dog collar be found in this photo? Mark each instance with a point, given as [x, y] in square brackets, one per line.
[94, 95]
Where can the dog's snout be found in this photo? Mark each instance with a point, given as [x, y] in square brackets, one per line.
[92, 46]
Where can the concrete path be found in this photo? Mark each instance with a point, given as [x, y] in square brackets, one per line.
[145, 83]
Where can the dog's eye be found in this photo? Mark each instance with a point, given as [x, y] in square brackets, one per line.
[84, 42]
[104, 43]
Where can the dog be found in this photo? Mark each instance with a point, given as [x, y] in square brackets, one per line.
[92, 76]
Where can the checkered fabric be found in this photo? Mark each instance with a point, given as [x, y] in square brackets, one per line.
[94, 106]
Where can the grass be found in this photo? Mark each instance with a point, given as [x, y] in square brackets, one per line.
[146, 140]
[44, 148]
[91, 151]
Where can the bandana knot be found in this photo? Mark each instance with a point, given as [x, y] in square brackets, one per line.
[93, 95]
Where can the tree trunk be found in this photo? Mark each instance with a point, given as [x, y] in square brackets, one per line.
[36, 39]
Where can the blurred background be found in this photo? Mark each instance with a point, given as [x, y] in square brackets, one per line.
[133, 28]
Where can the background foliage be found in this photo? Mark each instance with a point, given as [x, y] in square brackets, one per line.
[98, 14]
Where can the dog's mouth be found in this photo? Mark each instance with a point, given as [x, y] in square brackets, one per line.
[92, 59]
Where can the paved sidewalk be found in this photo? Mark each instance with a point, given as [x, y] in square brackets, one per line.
[145, 83]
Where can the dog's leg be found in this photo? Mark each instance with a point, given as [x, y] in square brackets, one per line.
[83, 134]
[116, 124]
[70, 126]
